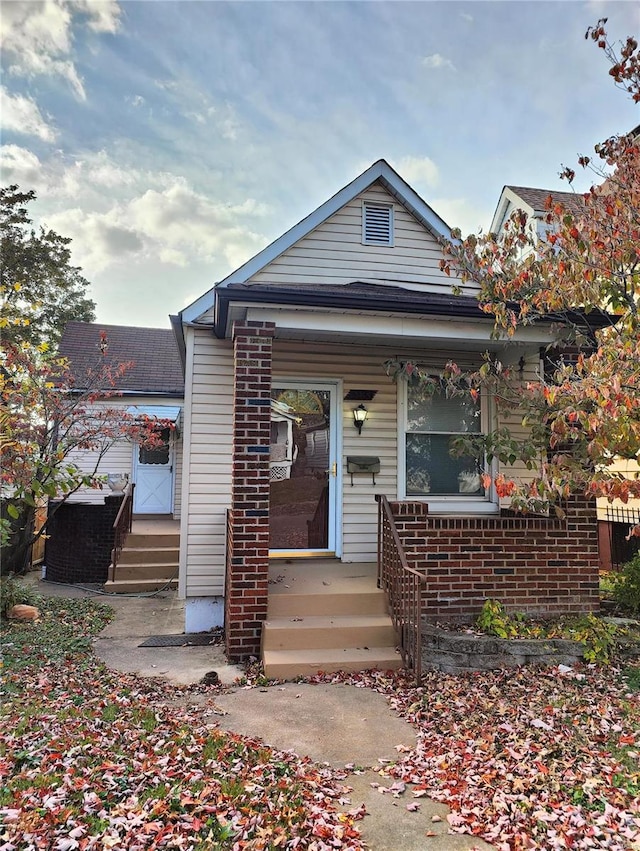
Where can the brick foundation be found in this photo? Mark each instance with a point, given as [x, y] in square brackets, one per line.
[530, 564]
[80, 540]
[247, 577]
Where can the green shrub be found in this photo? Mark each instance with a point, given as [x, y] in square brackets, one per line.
[626, 589]
[14, 591]
[494, 620]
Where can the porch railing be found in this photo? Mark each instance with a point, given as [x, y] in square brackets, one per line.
[121, 528]
[403, 586]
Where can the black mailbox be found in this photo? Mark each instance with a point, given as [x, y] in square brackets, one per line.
[363, 464]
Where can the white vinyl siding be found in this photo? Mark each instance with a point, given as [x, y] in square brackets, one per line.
[208, 424]
[119, 457]
[359, 368]
[333, 252]
[518, 471]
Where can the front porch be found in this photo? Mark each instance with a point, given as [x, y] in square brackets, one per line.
[325, 615]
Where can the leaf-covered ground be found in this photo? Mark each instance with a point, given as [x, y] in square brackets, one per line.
[527, 758]
[90, 759]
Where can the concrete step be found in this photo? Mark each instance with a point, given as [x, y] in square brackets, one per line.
[148, 555]
[137, 586]
[321, 633]
[288, 664]
[138, 540]
[149, 570]
[366, 602]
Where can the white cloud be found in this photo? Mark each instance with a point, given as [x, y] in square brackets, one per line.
[466, 17]
[418, 170]
[20, 114]
[98, 239]
[18, 165]
[436, 60]
[38, 36]
[175, 225]
[103, 16]
[184, 220]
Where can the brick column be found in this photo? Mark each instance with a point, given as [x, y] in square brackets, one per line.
[248, 562]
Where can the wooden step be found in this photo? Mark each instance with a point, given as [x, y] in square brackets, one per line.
[138, 586]
[321, 633]
[288, 664]
[148, 555]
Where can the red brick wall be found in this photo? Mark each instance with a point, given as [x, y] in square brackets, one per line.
[530, 564]
[248, 562]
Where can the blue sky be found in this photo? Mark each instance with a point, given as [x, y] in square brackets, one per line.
[173, 140]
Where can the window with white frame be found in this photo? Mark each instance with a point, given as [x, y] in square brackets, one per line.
[432, 422]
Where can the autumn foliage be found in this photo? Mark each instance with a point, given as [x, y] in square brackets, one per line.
[584, 276]
[51, 419]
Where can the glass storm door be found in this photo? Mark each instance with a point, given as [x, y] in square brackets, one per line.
[303, 469]
[153, 475]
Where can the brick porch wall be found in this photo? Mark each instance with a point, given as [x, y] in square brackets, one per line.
[530, 564]
[247, 574]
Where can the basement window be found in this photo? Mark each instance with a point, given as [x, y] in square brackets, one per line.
[377, 223]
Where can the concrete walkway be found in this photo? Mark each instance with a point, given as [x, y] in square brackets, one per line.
[336, 724]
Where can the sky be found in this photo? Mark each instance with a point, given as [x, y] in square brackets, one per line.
[173, 139]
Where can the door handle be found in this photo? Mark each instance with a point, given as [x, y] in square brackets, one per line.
[333, 469]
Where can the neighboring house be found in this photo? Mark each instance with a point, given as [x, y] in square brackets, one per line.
[614, 518]
[281, 357]
[153, 386]
[534, 203]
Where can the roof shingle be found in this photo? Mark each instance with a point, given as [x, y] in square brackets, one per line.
[156, 360]
[537, 198]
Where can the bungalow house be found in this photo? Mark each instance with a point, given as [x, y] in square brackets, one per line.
[304, 464]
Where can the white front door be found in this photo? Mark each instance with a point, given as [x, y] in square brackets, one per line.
[153, 477]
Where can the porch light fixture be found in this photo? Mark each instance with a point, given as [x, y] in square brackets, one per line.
[360, 414]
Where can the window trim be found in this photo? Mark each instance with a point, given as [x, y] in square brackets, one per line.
[379, 205]
[454, 504]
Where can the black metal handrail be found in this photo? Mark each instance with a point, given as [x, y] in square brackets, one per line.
[121, 527]
[403, 586]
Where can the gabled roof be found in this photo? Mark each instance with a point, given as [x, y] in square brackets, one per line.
[533, 201]
[156, 369]
[537, 198]
[380, 172]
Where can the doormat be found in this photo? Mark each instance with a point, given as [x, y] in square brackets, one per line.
[200, 639]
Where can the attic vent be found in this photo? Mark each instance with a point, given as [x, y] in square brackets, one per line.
[377, 224]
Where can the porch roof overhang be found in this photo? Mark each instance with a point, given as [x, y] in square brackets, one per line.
[372, 312]
[170, 413]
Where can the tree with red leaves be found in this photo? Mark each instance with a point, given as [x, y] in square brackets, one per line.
[585, 410]
[49, 419]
